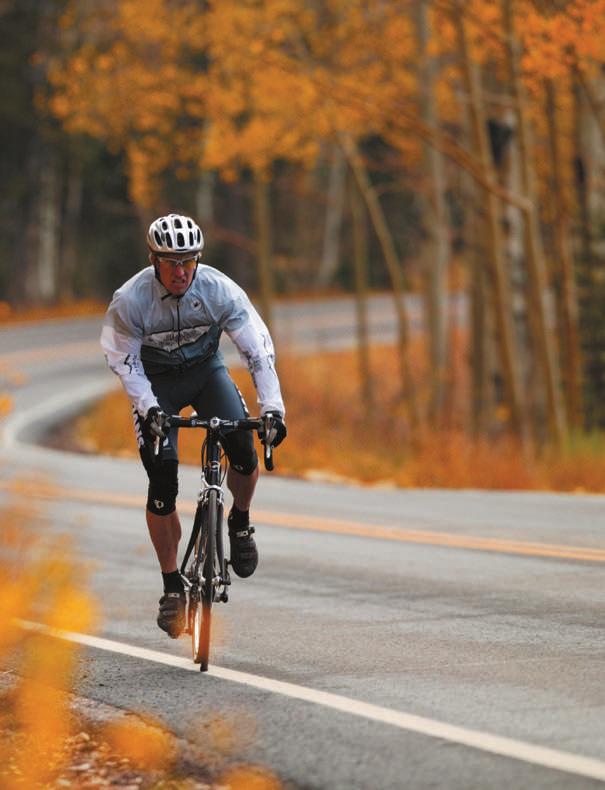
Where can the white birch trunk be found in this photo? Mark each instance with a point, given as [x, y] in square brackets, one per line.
[334, 211]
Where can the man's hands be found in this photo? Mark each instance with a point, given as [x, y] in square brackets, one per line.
[154, 425]
[275, 432]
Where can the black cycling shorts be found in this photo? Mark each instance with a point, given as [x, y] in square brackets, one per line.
[211, 391]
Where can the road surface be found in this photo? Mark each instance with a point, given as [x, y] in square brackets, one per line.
[389, 639]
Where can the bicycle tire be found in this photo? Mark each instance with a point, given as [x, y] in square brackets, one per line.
[202, 617]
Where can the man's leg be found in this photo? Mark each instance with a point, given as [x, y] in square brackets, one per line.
[163, 520]
[242, 487]
[244, 554]
[165, 532]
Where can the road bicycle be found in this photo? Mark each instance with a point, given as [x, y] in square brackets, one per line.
[204, 569]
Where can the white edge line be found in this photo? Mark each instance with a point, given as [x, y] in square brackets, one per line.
[74, 398]
[496, 744]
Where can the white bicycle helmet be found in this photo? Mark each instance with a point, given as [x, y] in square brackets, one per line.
[175, 233]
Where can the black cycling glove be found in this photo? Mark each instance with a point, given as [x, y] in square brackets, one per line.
[154, 425]
[277, 430]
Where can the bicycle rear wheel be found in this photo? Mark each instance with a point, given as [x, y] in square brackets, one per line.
[202, 615]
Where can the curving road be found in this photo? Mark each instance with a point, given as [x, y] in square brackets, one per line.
[389, 639]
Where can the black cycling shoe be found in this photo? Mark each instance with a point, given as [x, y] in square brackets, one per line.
[171, 617]
[244, 554]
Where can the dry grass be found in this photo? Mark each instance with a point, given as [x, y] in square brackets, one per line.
[331, 435]
[84, 307]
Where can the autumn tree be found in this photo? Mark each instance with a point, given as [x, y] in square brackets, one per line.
[244, 89]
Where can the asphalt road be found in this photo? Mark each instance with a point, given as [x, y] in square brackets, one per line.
[389, 639]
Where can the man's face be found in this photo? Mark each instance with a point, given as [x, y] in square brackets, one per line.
[176, 271]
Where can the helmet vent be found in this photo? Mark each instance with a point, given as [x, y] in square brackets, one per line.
[177, 222]
[180, 240]
[164, 225]
[169, 241]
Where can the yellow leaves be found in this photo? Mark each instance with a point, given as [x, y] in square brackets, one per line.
[6, 404]
[559, 39]
[250, 778]
[145, 745]
[272, 79]
[39, 581]
[15, 603]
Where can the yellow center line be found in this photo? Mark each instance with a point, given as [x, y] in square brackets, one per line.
[330, 525]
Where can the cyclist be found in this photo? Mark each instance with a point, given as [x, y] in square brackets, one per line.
[160, 336]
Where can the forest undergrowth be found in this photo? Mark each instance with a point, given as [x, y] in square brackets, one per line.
[80, 308]
[333, 436]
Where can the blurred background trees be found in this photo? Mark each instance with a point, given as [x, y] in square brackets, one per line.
[450, 149]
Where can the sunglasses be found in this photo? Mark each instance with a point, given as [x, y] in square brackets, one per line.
[187, 263]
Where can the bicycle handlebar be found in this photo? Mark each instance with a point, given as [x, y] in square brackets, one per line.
[215, 424]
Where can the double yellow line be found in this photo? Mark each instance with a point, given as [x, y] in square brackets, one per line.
[332, 526]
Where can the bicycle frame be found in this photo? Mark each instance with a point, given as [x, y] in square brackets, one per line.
[210, 481]
[207, 578]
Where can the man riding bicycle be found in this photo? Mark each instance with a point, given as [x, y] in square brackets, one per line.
[161, 336]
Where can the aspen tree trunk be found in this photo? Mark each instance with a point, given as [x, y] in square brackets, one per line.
[586, 240]
[482, 358]
[49, 217]
[334, 210]
[71, 223]
[567, 297]
[536, 266]
[594, 102]
[509, 359]
[262, 215]
[360, 265]
[394, 269]
[439, 248]
[479, 346]
[204, 198]
[507, 161]
[306, 221]
[480, 310]
[24, 290]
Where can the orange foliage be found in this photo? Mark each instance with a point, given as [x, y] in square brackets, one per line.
[184, 87]
[6, 403]
[39, 581]
[330, 435]
[250, 777]
[132, 75]
[146, 746]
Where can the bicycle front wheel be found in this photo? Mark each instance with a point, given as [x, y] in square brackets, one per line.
[202, 617]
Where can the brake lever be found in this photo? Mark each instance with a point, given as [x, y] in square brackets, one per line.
[268, 454]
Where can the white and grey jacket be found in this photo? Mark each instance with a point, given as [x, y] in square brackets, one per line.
[147, 331]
